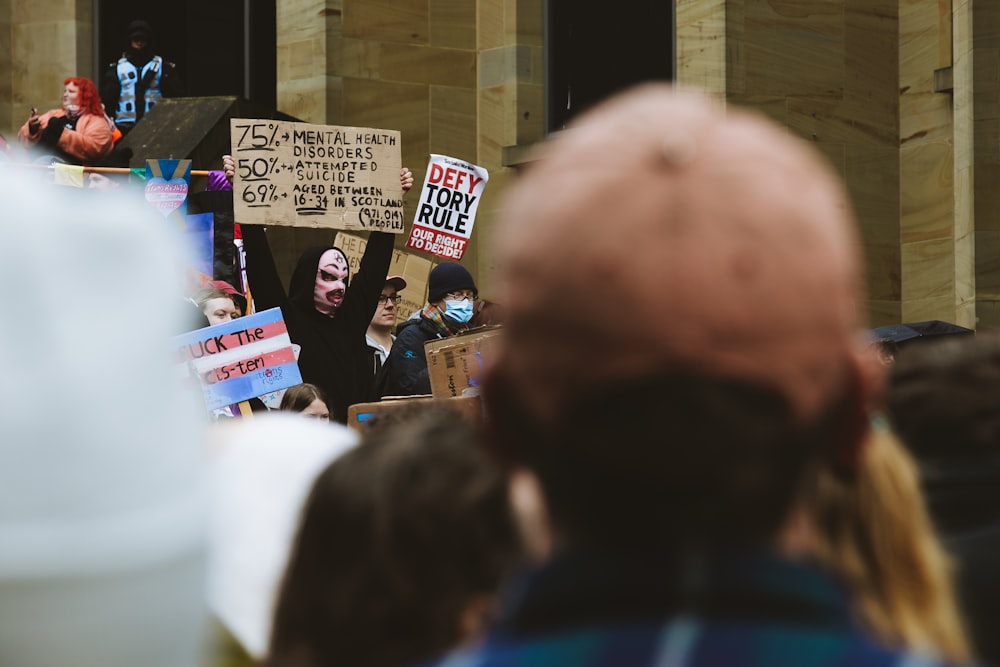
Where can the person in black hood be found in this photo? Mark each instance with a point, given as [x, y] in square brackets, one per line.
[139, 79]
[326, 310]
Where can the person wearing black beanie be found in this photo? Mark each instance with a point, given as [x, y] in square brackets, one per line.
[139, 79]
[451, 297]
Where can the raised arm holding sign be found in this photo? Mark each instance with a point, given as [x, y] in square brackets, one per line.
[327, 311]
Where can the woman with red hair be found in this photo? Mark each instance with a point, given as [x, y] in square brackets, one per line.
[79, 132]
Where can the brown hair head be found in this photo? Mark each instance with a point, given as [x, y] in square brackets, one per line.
[397, 537]
[90, 100]
[875, 531]
[299, 397]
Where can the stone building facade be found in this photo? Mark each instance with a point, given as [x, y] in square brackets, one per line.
[901, 95]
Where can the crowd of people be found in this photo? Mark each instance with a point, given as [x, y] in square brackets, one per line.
[739, 482]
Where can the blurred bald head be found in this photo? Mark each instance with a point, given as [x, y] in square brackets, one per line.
[668, 233]
[681, 283]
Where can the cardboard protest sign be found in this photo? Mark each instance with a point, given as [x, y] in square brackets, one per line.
[317, 176]
[447, 210]
[167, 186]
[456, 364]
[238, 360]
[360, 416]
[413, 268]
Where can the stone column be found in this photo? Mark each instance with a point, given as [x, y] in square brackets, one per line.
[41, 43]
[935, 238]
[702, 61]
[977, 162]
[508, 104]
[829, 71]
[307, 32]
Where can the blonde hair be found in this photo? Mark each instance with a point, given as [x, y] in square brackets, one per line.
[875, 532]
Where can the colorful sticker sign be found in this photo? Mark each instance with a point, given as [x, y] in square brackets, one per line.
[247, 357]
[447, 209]
[167, 185]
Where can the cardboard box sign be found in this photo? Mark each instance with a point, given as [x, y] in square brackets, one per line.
[361, 415]
[456, 364]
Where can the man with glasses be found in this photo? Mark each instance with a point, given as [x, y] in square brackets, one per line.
[451, 295]
[379, 335]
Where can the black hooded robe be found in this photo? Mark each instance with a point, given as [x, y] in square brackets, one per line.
[334, 353]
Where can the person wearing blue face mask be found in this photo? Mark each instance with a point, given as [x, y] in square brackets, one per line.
[451, 298]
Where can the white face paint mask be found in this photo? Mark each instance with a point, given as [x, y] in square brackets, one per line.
[332, 276]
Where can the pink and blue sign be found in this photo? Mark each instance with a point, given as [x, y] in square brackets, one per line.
[238, 360]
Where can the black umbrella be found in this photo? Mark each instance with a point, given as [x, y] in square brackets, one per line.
[902, 333]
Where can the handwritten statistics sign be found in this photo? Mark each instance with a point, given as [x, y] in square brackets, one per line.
[249, 356]
[447, 209]
[318, 176]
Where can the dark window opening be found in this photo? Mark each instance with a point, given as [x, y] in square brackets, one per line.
[220, 47]
[591, 53]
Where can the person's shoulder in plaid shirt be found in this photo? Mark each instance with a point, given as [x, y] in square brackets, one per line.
[749, 610]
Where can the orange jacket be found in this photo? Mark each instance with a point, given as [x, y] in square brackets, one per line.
[90, 141]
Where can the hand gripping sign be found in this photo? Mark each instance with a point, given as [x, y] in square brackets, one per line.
[447, 208]
[167, 185]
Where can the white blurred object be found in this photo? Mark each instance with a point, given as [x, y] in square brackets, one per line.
[102, 495]
[261, 476]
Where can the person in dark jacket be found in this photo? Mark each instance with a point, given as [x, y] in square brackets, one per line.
[451, 296]
[942, 401]
[326, 310]
[139, 79]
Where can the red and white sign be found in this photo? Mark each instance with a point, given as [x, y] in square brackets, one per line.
[447, 209]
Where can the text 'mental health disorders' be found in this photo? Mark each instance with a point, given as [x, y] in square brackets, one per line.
[318, 176]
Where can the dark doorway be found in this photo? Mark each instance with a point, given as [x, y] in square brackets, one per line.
[220, 47]
[592, 53]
